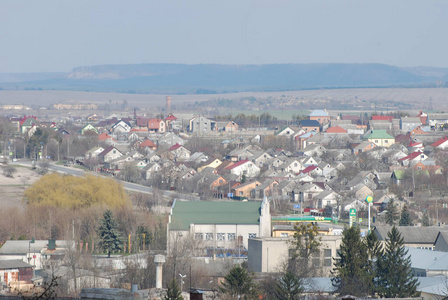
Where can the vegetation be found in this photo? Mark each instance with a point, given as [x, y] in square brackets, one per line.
[288, 287]
[405, 219]
[395, 278]
[353, 271]
[76, 192]
[173, 292]
[9, 171]
[108, 233]
[391, 213]
[239, 284]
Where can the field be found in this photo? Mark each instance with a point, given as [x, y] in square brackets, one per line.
[12, 189]
[417, 96]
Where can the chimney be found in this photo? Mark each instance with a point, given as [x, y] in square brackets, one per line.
[159, 261]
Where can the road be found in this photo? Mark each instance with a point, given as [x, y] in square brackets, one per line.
[133, 187]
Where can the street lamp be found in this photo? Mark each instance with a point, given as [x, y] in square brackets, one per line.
[181, 281]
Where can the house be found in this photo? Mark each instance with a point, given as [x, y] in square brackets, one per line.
[336, 130]
[310, 125]
[169, 121]
[16, 274]
[210, 163]
[110, 153]
[379, 137]
[287, 131]
[104, 137]
[94, 152]
[150, 170]
[156, 125]
[414, 237]
[88, 127]
[408, 123]
[441, 143]
[302, 140]
[363, 147]
[437, 120]
[306, 192]
[147, 143]
[178, 153]
[380, 124]
[231, 126]
[244, 167]
[202, 125]
[264, 189]
[327, 198]
[261, 158]
[268, 254]
[244, 190]
[291, 165]
[320, 116]
[121, 127]
[32, 252]
[413, 158]
[418, 130]
[215, 228]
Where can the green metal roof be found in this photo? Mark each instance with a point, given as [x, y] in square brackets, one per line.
[219, 212]
[378, 134]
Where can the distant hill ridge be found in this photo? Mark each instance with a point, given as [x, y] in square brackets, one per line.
[215, 78]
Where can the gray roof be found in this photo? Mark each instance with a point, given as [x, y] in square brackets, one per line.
[428, 259]
[13, 264]
[23, 247]
[411, 234]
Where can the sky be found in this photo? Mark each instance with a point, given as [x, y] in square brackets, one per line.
[56, 36]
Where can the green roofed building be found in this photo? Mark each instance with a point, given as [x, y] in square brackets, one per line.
[222, 227]
[379, 137]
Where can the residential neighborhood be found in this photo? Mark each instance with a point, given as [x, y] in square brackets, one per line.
[252, 187]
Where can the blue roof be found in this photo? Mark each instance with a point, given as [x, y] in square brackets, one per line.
[318, 113]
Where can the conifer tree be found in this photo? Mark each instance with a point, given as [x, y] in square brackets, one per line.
[394, 273]
[108, 233]
[391, 213]
[288, 287]
[239, 284]
[173, 292]
[353, 271]
[405, 219]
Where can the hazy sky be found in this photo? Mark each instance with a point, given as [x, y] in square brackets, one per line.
[39, 36]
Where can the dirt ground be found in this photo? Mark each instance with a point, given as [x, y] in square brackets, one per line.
[12, 189]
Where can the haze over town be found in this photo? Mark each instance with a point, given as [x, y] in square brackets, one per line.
[223, 150]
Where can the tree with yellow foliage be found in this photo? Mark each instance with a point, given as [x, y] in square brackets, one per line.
[76, 192]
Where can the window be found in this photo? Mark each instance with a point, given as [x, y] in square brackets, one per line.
[252, 235]
[198, 236]
[386, 141]
[310, 196]
[209, 236]
[284, 234]
[241, 193]
[327, 262]
[295, 164]
[220, 236]
[376, 141]
[231, 236]
[327, 253]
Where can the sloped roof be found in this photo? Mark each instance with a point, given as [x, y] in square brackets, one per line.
[205, 212]
[309, 123]
[148, 143]
[318, 113]
[336, 129]
[378, 134]
[382, 118]
[411, 234]
[439, 142]
[237, 164]
[13, 264]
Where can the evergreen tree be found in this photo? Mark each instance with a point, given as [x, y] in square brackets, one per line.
[391, 213]
[352, 271]
[288, 287]
[394, 271]
[239, 284]
[305, 243]
[405, 219]
[108, 233]
[173, 292]
[425, 219]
